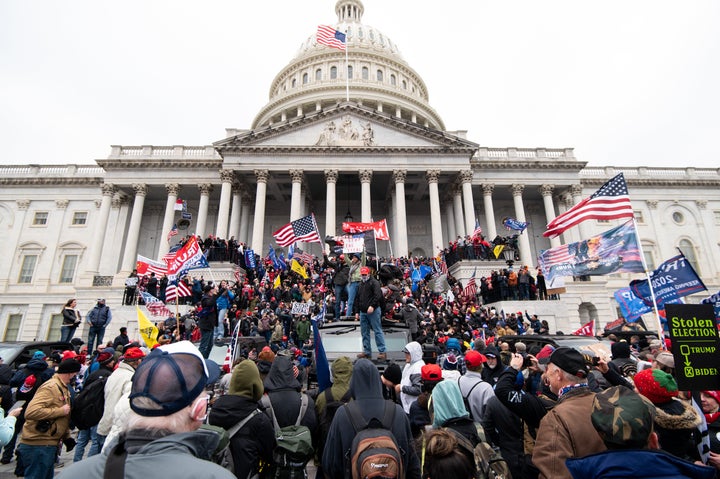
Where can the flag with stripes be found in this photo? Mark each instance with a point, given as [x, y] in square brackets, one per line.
[470, 290]
[173, 291]
[145, 266]
[610, 202]
[303, 229]
[173, 231]
[328, 36]
[155, 306]
[478, 230]
[302, 256]
[170, 255]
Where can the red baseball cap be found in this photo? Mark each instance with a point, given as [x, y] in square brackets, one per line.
[364, 270]
[474, 358]
[431, 372]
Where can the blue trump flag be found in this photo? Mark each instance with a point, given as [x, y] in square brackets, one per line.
[632, 307]
[321, 361]
[277, 263]
[418, 274]
[250, 259]
[672, 280]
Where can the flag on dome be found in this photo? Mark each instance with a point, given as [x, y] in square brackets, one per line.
[303, 229]
[610, 202]
[330, 37]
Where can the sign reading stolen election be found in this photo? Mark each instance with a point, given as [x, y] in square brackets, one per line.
[695, 345]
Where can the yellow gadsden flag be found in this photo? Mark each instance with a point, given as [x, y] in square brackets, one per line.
[276, 283]
[148, 331]
[295, 266]
[497, 250]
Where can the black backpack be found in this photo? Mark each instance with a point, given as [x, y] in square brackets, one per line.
[328, 413]
[89, 404]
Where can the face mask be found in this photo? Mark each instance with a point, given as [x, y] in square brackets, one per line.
[364, 278]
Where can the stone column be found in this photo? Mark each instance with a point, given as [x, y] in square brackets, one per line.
[457, 206]
[489, 211]
[450, 220]
[433, 176]
[235, 211]
[227, 177]
[244, 218]
[205, 189]
[576, 191]
[262, 177]
[365, 208]
[546, 191]
[108, 190]
[130, 257]
[466, 177]
[295, 197]
[401, 244]
[523, 242]
[169, 218]
[331, 177]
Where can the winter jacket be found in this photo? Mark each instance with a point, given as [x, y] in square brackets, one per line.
[303, 331]
[283, 389]
[447, 403]
[256, 439]
[410, 387]
[119, 383]
[71, 317]
[637, 464]
[477, 392]
[566, 431]
[369, 294]
[207, 321]
[341, 369]
[178, 456]
[505, 430]
[366, 390]
[47, 405]
[99, 316]
[675, 422]
[224, 301]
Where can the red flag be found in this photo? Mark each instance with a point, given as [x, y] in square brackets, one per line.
[610, 202]
[587, 329]
[379, 227]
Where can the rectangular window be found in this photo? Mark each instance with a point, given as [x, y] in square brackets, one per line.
[53, 332]
[649, 258]
[40, 218]
[603, 222]
[639, 217]
[716, 213]
[12, 329]
[27, 269]
[79, 218]
[67, 273]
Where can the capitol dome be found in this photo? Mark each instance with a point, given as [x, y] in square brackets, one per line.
[379, 77]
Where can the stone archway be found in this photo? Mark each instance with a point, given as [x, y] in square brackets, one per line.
[418, 252]
[587, 312]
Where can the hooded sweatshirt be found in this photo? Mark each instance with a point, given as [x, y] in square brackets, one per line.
[449, 411]
[410, 385]
[283, 389]
[366, 389]
[256, 440]
[342, 369]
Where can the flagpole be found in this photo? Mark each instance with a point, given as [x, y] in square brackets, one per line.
[650, 285]
[347, 77]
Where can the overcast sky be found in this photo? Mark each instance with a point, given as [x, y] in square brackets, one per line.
[626, 83]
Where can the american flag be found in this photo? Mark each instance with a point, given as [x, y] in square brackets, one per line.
[610, 202]
[304, 229]
[478, 230]
[155, 306]
[471, 288]
[302, 256]
[238, 273]
[327, 35]
[173, 231]
[172, 291]
[170, 255]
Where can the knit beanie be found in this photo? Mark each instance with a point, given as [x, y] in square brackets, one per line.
[656, 385]
[393, 373]
[620, 349]
[266, 355]
[245, 381]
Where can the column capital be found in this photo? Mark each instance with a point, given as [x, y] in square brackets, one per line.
[227, 176]
[108, 189]
[140, 189]
[546, 190]
[466, 176]
[701, 204]
[365, 176]
[331, 176]
[262, 176]
[61, 204]
[432, 176]
[517, 189]
[488, 189]
[568, 200]
[456, 189]
[296, 175]
[22, 204]
[399, 176]
[205, 188]
[237, 188]
[172, 188]
[576, 190]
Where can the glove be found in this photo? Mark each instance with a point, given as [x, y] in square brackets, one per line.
[69, 444]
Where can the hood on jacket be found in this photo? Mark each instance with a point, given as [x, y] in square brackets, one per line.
[37, 365]
[453, 343]
[365, 382]
[447, 403]
[229, 409]
[677, 414]
[415, 351]
[342, 370]
[281, 376]
[245, 381]
[620, 349]
[635, 463]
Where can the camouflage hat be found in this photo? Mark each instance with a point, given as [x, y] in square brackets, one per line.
[622, 418]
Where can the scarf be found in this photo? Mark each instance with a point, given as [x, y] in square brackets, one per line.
[712, 417]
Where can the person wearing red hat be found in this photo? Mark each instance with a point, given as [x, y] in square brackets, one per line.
[475, 392]
[368, 311]
[710, 401]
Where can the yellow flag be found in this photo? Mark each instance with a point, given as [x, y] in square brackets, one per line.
[295, 266]
[148, 331]
[497, 250]
[276, 283]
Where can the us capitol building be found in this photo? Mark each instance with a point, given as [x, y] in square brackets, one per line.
[76, 230]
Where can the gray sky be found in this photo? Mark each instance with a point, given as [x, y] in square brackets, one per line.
[625, 83]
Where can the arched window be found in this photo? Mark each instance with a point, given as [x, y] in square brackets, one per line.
[305, 78]
[688, 249]
[404, 85]
[318, 74]
[350, 71]
[294, 82]
[379, 75]
[333, 73]
[365, 73]
[393, 81]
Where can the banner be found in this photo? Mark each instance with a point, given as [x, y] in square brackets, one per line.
[672, 280]
[378, 227]
[715, 301]
[148, 331]
[352, 244]
[300, 308]
[587, 329]
[695, 344]
[250, 259]
[145, 266]
[632, 307]
[190, 256]
[513, 224]
[614, 251]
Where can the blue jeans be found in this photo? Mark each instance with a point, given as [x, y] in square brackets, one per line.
[524, 291]
[39, 461]
[368, 321]
[206, 342]
[66, 333]
[352, 292]
[338, 303]
[84, 436]
[220, 328]
[95, 332]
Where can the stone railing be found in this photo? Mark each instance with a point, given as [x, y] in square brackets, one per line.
[58, 171]
[508, 154]
[163, 152]
[643, 172]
